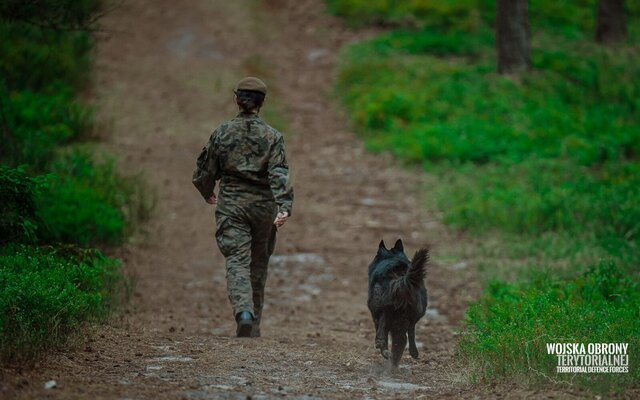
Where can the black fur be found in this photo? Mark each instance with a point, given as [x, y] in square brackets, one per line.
[397, 298]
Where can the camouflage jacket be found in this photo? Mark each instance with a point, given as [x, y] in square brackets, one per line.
[248, 158]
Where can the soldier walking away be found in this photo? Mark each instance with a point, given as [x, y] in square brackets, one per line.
[255, 198]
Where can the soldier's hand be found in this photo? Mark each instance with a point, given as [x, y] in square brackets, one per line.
[213, 199]
[281, 219]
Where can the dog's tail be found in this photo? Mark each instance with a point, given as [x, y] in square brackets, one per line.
[403, 289]
[418, 269]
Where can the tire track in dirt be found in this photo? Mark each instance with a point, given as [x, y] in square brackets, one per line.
[163, 80]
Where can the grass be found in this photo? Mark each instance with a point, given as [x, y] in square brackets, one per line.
[464, 112]
[104, 205]
[602, 303]
[49, 295]
[83, 201]
[18, 222]
[49, 291]
[56, 196]
[541, 169]
[37, 123]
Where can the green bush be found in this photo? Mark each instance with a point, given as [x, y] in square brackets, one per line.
[432, 41]
[507, 330]
[52, 14]
[40, 70]
[88, 203]
[18, 220]
[428, 108]
[433, 13]
[569, 20]
[48, 294]
[37, 123]
[73, 213]
[553, 151]
[536, 196]
[43, 60]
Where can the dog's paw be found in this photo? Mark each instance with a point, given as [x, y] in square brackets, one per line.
[414, 353]
[385, 354]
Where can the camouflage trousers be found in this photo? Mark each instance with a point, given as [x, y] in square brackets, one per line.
[246, 237]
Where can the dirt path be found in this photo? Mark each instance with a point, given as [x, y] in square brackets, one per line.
[163, 81]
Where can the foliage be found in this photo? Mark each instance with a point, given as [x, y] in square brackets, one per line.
[573, 20]
[553, 151]
[37, 123]
[463, 112]
[597, 206]
[48, 294]
[43, 60]
[88, 203]
[432, 13]
[39, 72]
[51, 14]
[541, 169]
[50, 289]
[511, 324]
[18, 220]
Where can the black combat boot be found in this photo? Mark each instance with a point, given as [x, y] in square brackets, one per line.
[255, 332]
[245, 324]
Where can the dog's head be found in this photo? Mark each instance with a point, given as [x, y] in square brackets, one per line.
[397, 251]
[389, 262]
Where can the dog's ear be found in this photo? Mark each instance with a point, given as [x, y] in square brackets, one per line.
[381, 246]
[399, 246]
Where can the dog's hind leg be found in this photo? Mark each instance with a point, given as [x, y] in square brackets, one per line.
[413, 349]
[398, 343]
[382, 337]
[376, 322]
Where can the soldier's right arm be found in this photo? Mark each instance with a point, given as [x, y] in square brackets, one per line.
[278, 169]
[207, 169]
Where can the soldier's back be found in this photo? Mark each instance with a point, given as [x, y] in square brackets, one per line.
[244, 147]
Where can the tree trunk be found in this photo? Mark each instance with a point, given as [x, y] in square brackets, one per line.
[610, 22]
[513, 37]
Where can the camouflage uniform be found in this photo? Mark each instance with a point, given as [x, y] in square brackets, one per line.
[248, 158]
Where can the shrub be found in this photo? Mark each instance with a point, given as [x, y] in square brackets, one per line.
[574, 21]
[507, 330]
[48, 294]
[36, 59]
[429, 108]
[53, 14]
[553, 151]
[89, 203]
[534, 197]
[433, 13]
[432, 41]
[37, 123]
[40, 70]
[18, 220]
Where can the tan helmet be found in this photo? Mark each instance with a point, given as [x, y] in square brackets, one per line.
[252, 84]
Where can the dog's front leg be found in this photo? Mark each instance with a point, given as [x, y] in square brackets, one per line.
[382, 337]
[398, 343]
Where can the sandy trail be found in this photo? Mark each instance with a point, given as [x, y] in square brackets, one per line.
[163, 80]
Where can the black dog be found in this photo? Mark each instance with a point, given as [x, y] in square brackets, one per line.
[397, 298]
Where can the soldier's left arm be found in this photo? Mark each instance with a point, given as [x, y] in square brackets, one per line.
[207, 169]
[279, 181]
